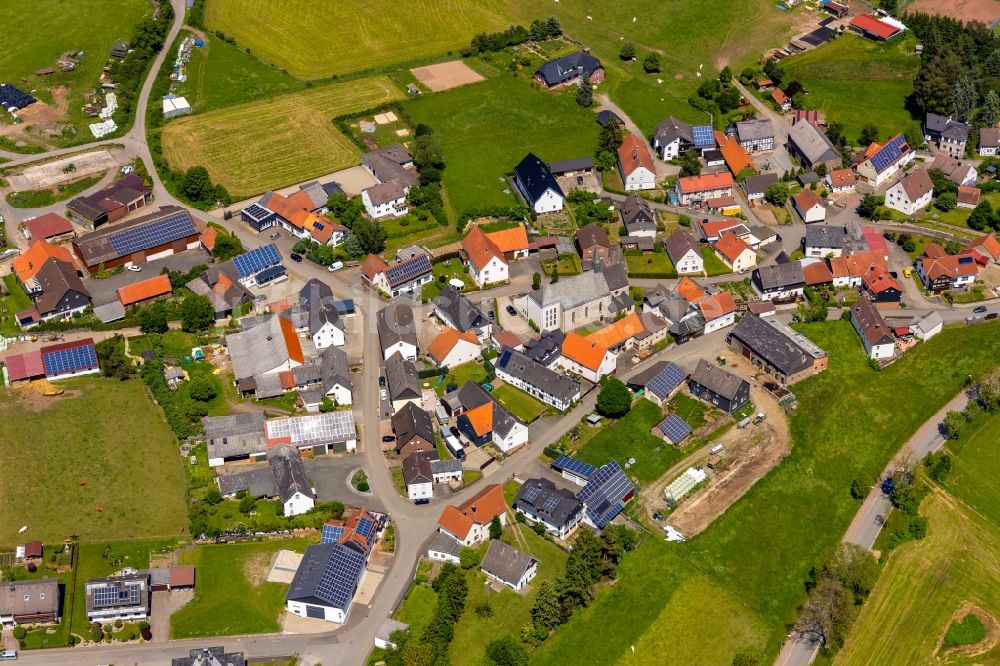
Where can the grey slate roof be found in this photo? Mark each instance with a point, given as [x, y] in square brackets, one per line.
[715, 379]
[678, 244]
[402, 378]
[637, 214]
[417, 469]
[12, 593]
[754, 130]
[671, 129]
[258, 482]
[506, 562]
[258, 350]
[568, 67]
[334, 369]
[572, 291]
[616, 276]
[955, 130]
[812, 143]
[445, 543]
[234, 435]
[576, 164]
[112, 311]
[446, 466]
[546, 348]
[412, 421]
[395, 324]
[388, 164]
[777, 276]
[825, 235]
[459, 311]
[773, 344]
[758, 183]
[289, 472]
[535, 176]
[516, 364]
[328, 575]
[557, 512]
[928, 322]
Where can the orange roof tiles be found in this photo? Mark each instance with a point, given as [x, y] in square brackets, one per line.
[143, 290]
[816, 272]
[934, 251]
[581, 350]
[481, 418]
[807, 200]
[714, 229]
[295, 209]
[717, 305]
[291, 341]
[690, 290]
[480, 248]
[372, 266]
[988, 245]
[856, 265]
[446, 341]
[950, 266]
[510, 240]
[737, 158]
[27, 265]
[287, 380]
[618, 332]
[731, 246]
[703, 183]
[779, 96]
[633, 154]
[878, 279]
[208, 237]
[481, 509]
[842, 178]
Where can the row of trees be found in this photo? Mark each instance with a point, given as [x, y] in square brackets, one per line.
[431, 647]
[541, 29]
[145, 42]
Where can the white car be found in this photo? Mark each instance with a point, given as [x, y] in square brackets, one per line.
[383, 394]
[134, 268]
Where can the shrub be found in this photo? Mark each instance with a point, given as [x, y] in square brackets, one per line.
[20, 632]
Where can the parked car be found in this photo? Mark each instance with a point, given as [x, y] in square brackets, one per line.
[493, 315]
[421, 501]
[275, 236]
[511, 311]
[261, 298]
[335, 266]
[388, 438]
[979, 310]
[381, 381]
[296, 256]
[134, 268]
[383, 394]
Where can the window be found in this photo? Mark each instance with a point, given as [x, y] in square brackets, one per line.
[27, 597]
[41, 595]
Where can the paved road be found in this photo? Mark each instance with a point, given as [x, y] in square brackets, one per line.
[868, 521]
[779, 154]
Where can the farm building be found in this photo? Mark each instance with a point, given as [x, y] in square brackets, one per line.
[755, 136]
[210, 656]
[13, 99]
[326, 581]
[168, 231]
[776, 348]
[811, 147]
[50, 226]
[174, 106]
[144, 291]
[876, 29]
[59, 361]
[718, 387]
[112, 203]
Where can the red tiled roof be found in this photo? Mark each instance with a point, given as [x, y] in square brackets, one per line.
[372, 266]
[690, 290]
[295, 208]
[779, 96]
[842, 178]
[446, 341]
[181, 576]
[144, 289]
[27, 265]
[25, 366]
[878, 279]
[507, 339]
[806, 200]
[737, 158]
[731, 246]
[988, 245]
[208, 237]
[583, 351]
[717, 305]
[633, 154]
[716, 228]
[875, 241]
[617, 332]
[291, 341]
[934, 251]
[47, 226]
[873, 26]
[510, 240]
[948, 266]
[480, 248]
[968, 195]
[816, 272]
[709, 181]
[480, 509]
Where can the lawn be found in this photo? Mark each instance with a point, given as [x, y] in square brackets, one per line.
[245, 149]
[484, 130]
[523, 406]
[15, 301]
[564, 265]
[629, 437]
[924, 584]
[650, 264]
[450, 269]
[220, 75]
[52, 27]
[713, 265]
[462, 373]
[232, 595]
[836, 73]
[175, 344]
[975, 465]
[690, 409]
[103, 450]
[316, 40]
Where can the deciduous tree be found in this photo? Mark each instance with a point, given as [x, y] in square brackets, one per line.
[197, 313]
[614, 399]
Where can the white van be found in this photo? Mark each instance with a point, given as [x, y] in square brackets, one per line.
[8, 655]
[335, 266]
[716, 449]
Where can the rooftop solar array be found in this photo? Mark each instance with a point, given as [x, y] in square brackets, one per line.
[890, 153]
[364, 527]
[573, 466]
[254, 261]
[666, 380]
[257, 212]
[341, 576]
[405, 271]
[313, 429]
[606, 493]
[66, 361]
[159, 232]
[675, 429]
[531, 493]
[550, 504]
[331, 533]
[113, 594]
[703, 135]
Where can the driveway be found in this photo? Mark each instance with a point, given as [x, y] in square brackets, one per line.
[331, 475]
[103, 291]
[779, 155]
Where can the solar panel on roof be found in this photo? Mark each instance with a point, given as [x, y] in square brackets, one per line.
[340, 577]
[165, 230]
[605, 493]
[66, 361]
[256, 260]
[703, 135]
[332, 533]
[531, 493]
[550, 505]
[113, 595]
[307, 430]
[364, 527]
[890, 153]
[666, 380]
[674, 428]
[574, 466]
[409, 269]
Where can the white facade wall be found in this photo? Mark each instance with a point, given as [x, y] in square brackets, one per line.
[517, 436]
[691, 262]
[340, 394]
[405, 349]
[897, 199]
[495, 270]
[336, 615]
[720, 322]
[328, 335]
[463, 352]
[416, 491]
[606, 367]
[394, 207]
[298, 504]
[640, 179]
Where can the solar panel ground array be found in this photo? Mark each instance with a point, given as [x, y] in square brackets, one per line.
[278, 141]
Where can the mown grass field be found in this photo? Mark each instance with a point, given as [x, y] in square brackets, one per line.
[523, 406]
[232, 595]
[263, 145]
[318, 40]
[924, 584]
[485, 129]
[975, 465]
[99, 461]
[838, 74]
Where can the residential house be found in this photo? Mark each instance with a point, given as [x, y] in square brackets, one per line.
[557, 509]
[144, 292]
[318, 315]
[506, 564]
[550, 387]
[638, 217]
[985, 249]
[850, 270]
[384, 200]
[257, 267]
[513, 241]
[569, 303]
[210, 656]
[34, 601]
[483, 419]
[469, 522]
[486, 261]
[955, 169]
[451, 348]
[457, 312]
[445, 548]
[417, 476]
[927, 326]
[943, 272]
[268, 348]
[49, 276]
[636, 329]
[755, 136]
[699, 189]
[111, 203]
[948, 134]
[811, 147]
[593, 244]
[569, 69]
[776, 348]
[605, 495]
[414, 430]
[840, 180]
[882, 288]
[968, 197]
[220, 284]
[823, 240]
[815, 272]
[48, 227]
[783, 101]
[718, 311]
[298, 214]
[989, 141]
[402, 277]
[809, 206]
[683, 316]
[122, 597]
[710, 231]
[545, 348]
[735, 253]
[538, 186]
[735, 156]
[170, 230]
[882, 162]
[755, 186]
[718, 387]
[778, 282]
[673, 137]
[875, 334]
[684, 254]
[391, 163]
[335, 377]
[290, 479]
[402, 381]
[636, 165]
[326, 580]
[587, 359]
[396, 331]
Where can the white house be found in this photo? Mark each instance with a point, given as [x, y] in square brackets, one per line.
[451, 348]
[588, 359]
[911, 193]
[683, 252]
[823, 240]
[486, 261]
[928, 326]
[469, 522]
[538, 186]
[883, 162]
[385, 200]
[718, 310]
[874, 333]
[506, 564]
[989, 141]
[809, 206]
[396, 331]
[698, 189]
[636, 165]
[735, 252]
[418, 477]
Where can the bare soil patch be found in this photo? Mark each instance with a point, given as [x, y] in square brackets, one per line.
[32, 399]
[989, 641]
[446, 75]
[963, 10]
[51, 174]
[255, 568]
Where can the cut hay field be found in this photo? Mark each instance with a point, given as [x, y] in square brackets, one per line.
[275, 142]
[838, 74]
[924, 584]
[975, 465]
[99, 461]
[315, 40]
